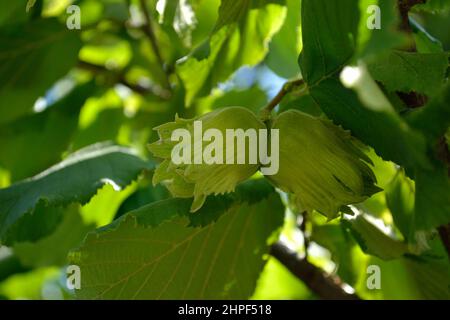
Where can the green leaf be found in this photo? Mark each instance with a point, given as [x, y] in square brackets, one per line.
[409, 71]
[45, 50]
[106, 49]
[30, 4]
[375, 41]
[434, 6]
[251, 191]
[400, 196]
[410, 279]
[329, 29]
[373, 240]
[100, 120]
[13, 12]
[433, 120]
[425, 42]
[53, 249]
[372, 127]
[432, 198]
[27, 285]
[241, 37]
[422, 206]
[76, 179]
[325, 52]
[278, 283]
[39, 223]
[304, 103]
[144, 195]
[253, 98]
[136, 259]
[31, 135]
[334, 238]
[102, 208]
[287, 43]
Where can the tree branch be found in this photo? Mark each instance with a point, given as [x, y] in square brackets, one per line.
[287, 87]
[404, 6]
[444, 234]
[410, 99]
[414, 100]
[148, 29]
[138, 88]
[302, 227]
[326, 287]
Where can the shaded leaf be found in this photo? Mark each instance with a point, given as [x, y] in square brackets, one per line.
[174, 259]
[432, 198]
[76, 179]
[373, 240]
[241, 37]
[400, 199]
[286, 44]
[375, 41]
[433, 6]
[31, 135]
[408, 71]
[374, 128]
[53, 249]
[329, 29]
[45, 50]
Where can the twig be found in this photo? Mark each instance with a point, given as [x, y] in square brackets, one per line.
[444, 234]
[139, 88]
[326, 287]
[302, 227]
[148, 29]
[287, 87]
[404, 6]
[36, 9]
[411, 99]
[415, 100]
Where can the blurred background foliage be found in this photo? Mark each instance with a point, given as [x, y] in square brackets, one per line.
[119, 77]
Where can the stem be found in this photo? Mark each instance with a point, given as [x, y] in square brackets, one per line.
[325, 286]
[444, 233]
[302, 227]
[148, 29]
[155, 90]
[410, 99]
[36, 10]
[287, 87]
[443, 154]
[404, 6]
[414, 100]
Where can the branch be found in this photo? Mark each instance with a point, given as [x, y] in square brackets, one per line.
[444, 234]
[138, 88]
[287, 87]
[148, 29]
[414, 100]
[35, 8]
[444, 155]
[326, 287]
[411, 99]
[302, 228]
[404, 7]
